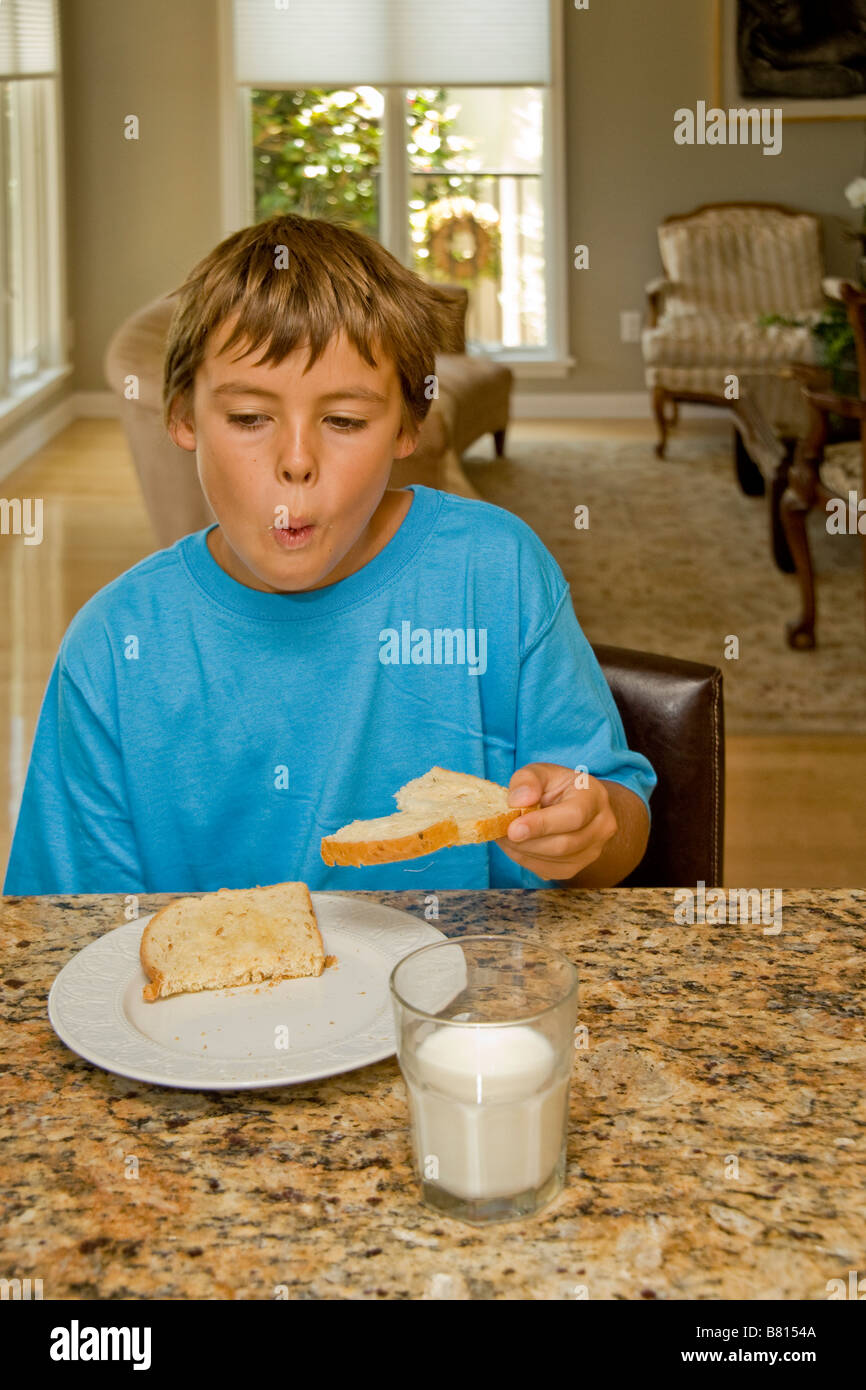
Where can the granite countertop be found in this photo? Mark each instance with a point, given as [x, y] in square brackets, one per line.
[712, 1048]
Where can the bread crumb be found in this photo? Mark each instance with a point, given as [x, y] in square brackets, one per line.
[329, 961]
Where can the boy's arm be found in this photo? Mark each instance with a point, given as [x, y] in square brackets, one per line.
[587, 836]
[73, 833]
[591, 837]
[595, 789]
[624, 851]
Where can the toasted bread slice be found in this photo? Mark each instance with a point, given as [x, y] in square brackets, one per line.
[437, 811]
[479, 807]
[404, 835]
[236, 936]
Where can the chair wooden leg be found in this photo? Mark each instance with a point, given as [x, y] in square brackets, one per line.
[660, 397]
[779, 541]
[499, 443]
[863, 494]
[749, 475]
[797, 501]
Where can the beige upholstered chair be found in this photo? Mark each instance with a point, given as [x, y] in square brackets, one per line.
[725, 265]
[474, 398]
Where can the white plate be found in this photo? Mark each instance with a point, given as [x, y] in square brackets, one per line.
[227, 1039]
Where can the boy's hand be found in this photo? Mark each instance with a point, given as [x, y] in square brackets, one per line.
[570, 830]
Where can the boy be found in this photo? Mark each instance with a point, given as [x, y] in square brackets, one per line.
[227, 702]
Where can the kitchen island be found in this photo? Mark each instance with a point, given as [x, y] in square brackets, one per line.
[715, 1140]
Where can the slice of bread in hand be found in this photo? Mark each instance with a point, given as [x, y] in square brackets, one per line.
[437, 811]
[480, 808]
[236, 936]
[404, 835]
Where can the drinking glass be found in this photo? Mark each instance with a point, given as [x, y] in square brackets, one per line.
[485, 1042]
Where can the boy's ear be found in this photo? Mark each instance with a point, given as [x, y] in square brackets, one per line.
[182, 431]
[407, 442]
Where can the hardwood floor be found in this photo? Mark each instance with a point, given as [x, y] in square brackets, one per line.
[796, 807]
[796, 810]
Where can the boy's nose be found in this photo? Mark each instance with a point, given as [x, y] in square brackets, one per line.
[296, 462]
[297, 473]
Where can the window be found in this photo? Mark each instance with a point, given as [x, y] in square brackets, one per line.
[435, 128]
[32, 291]
[318, 153]
[476, 209]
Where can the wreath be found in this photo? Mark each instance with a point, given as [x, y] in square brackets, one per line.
[448, 248]
[463, 238]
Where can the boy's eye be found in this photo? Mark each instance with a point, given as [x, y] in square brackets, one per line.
[247, 422]
[255, 422]
[346, 422]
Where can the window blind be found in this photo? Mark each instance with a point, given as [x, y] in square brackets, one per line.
[29, 41]
[403, 43]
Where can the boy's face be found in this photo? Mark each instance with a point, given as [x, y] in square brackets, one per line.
[316, 453]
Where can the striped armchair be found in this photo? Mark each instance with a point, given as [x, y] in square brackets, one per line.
[725, 265]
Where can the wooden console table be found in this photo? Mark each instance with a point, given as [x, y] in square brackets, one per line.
[790, 464]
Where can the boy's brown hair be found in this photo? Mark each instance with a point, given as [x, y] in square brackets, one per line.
[334, 278]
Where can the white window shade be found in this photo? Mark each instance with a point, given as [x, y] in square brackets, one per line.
[29, 43]
[403, 43]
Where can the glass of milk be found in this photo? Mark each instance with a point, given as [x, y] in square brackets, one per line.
[485, 1042]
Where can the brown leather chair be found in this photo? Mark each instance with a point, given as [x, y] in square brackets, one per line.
[672, 712]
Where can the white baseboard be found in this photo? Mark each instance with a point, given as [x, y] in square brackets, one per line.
[29, 438]
[602, 405]
[525, 405]
[33, 436]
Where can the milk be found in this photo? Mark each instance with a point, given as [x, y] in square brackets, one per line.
[488, 1107]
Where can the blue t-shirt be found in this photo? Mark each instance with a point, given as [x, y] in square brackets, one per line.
[197, 734]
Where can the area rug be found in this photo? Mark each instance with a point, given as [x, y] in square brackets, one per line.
[676, 560]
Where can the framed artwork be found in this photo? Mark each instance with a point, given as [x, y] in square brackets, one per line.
[807, 57]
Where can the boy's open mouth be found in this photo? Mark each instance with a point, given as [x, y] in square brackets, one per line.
[291, 537]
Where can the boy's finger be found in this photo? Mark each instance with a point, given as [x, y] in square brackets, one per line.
[555, 848]
[527, 785]
[562, 818]
[551, 866]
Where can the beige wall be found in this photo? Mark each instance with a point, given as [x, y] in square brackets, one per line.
[140, 214]
[630, 64]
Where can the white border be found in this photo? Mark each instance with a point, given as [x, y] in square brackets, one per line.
[555, 194]
[793, 109]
